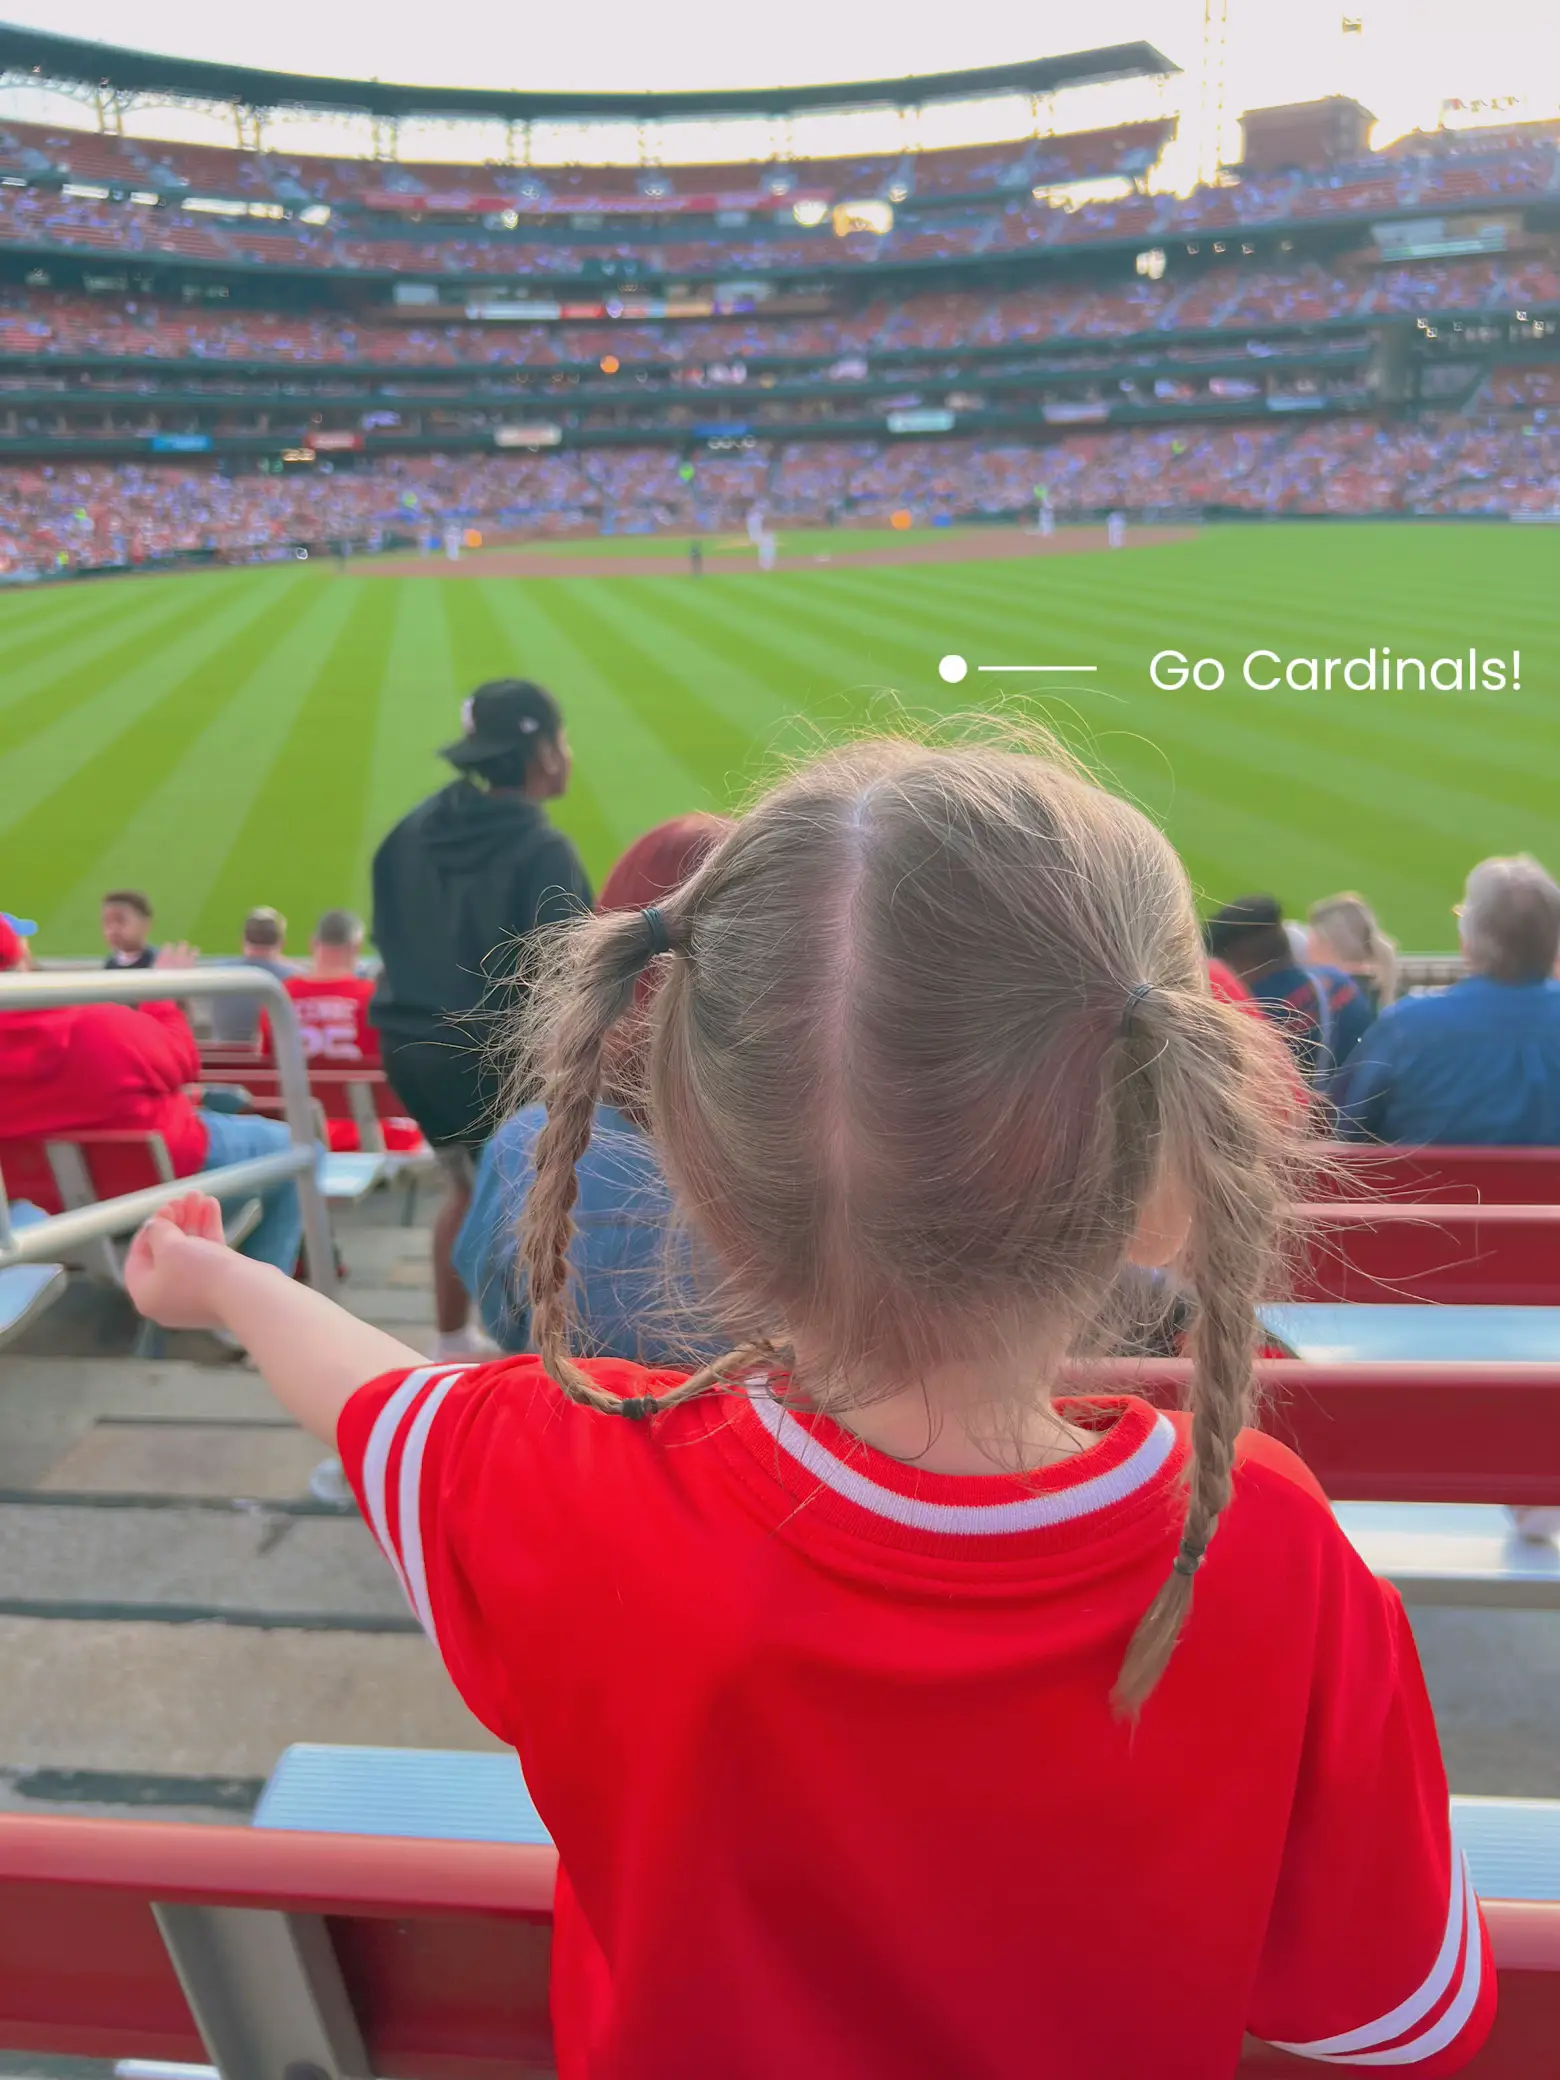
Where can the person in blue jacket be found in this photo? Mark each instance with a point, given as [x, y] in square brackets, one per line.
[1476, 1065]
[629, 1277]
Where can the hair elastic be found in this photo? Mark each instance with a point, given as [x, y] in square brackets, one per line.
[638, 1407]
[1187, 1561]
[655, 926]
[1137, 995]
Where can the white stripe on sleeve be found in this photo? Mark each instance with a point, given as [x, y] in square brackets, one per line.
[376, 1466]
[1462, 1940]
[409, 1497]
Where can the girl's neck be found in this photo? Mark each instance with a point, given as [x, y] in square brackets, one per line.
[952, 1423]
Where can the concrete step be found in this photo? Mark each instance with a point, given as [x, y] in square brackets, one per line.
[205, 1700]
[266, 1456]
[255, 1567]
[48, 1405]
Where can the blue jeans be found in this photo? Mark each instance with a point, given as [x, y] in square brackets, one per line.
[234, 1137]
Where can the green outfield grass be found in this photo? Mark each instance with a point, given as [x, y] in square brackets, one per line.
[231, 738]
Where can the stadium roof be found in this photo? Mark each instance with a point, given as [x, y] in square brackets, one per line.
[40, 58]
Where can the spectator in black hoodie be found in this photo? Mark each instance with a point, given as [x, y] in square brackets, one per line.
[458, 884]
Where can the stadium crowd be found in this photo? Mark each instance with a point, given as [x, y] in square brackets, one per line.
[1023, 207]
[41, 322]
[60, 516]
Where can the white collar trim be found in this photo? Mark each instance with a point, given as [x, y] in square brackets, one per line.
[966, 1519]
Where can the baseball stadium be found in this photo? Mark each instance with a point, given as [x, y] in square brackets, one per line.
[899, 726]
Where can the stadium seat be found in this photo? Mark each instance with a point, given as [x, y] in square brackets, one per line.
[1496, 1256]
[67, 1171]
[63, 1172]
[1423, 1433]
[26, 1290]
[1449, 1176]
[357, 1947]
[1423, 1462]
[1333, 1333]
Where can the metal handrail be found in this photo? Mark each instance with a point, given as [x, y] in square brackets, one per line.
[60, 1232]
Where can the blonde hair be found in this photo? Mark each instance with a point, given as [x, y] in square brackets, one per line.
[935, 1023]
[1348, 924]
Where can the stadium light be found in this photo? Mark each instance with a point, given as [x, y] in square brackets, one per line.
[809, 212]
[1151, 264]
[872, 216]
[316, 213]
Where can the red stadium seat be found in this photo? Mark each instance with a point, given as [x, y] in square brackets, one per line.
[360, 1109]
[63, 1170]
[413, 1960]
[1452, 1176]
[1398, 1433]
[1492, 1256]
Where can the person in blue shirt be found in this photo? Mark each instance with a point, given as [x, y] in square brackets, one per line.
[619, 1255]
[1476, 1065]
[631, 1275]
[1320, 1012]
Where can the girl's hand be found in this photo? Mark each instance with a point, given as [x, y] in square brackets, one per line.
[176, 1262]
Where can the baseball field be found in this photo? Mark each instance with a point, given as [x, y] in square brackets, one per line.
[230, 737]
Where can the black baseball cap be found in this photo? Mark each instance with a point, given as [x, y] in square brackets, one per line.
[503, 717]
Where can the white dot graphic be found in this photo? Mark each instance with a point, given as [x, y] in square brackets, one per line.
[952, 668]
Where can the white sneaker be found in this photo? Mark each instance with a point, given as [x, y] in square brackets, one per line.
[328, 1483]
[468, 1343]
[1534, 1524]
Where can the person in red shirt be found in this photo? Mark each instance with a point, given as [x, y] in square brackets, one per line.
[74, 1068]
[332, 1000]
[863, 1668]
[332, 997]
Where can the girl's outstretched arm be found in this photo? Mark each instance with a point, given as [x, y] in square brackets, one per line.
[312, 1353]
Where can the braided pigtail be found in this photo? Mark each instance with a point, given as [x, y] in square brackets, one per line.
[583, 985]
[1230, 1119]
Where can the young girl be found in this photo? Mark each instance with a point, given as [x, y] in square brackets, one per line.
[861, 1678]
[1344, 934]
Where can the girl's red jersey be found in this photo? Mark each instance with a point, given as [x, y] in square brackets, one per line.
[827, 1748]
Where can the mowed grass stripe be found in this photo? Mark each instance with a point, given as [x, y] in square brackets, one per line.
[786, 635]
[316, 781]
[60, 679]
[48, 761]
[67, 826]
[419, 709]
[487, 643]
[42, 636]
[602, 618]
[182, 831]
[737, 671]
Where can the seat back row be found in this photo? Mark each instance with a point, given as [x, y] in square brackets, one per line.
[268, 1952]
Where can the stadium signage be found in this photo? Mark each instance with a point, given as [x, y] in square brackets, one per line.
[927, 420]
[1377, 671]
[538, 436]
